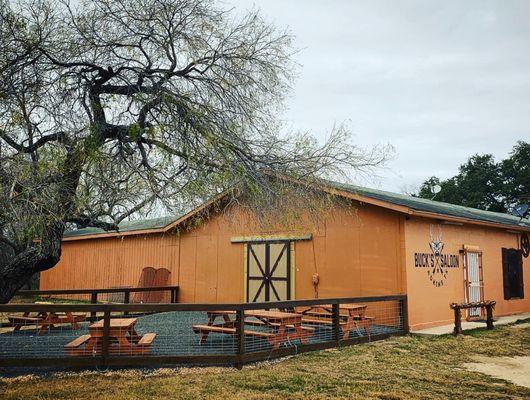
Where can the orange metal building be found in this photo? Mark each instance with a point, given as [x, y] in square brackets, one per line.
[379, 243]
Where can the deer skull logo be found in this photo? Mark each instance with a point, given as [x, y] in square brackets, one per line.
[436, 262]
[436, 245]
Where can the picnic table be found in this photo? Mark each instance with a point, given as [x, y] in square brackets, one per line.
[123, 339]
[44, 321]
[283, 326]
[352, 316]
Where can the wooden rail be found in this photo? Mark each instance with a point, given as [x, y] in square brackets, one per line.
[240, 356]
[94, 293]
[125, 290]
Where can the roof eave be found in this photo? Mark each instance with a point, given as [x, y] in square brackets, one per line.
[419, 213]
[163, 229]
[328, 189]
[113, 234]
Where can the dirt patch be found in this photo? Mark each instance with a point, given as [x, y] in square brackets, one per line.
[521, 326]
[512, 369]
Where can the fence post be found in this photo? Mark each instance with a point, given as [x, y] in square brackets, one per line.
[458, 321]
[240, 337]
[489, 316]
[127, 299]
[93, 300]
[335, 317]
[405, 314]
[106, 337]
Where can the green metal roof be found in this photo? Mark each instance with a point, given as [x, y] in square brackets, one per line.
[414, 203]
[126, 226]
[431, 206]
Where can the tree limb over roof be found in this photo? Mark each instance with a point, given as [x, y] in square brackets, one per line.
[397, 202]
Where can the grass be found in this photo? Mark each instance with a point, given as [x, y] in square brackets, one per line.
[399, 368]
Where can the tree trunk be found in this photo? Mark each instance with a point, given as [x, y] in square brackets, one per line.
[19, 263]
[17, 269]
[21, 268]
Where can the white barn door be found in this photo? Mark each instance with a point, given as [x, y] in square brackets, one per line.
[473, 280]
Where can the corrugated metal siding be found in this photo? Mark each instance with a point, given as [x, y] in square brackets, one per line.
[355, 253]
[113, 262]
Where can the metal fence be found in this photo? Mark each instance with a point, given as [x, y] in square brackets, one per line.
[177, 334]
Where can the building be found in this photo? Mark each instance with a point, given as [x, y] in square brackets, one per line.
[375, 243]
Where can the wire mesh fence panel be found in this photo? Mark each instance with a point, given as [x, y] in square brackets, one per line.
[371, 319]
[40, 334]
[272, 329]
[179, 333]
[189, 332]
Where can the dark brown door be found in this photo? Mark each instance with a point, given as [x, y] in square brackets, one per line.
[268, 271]
[512, 265]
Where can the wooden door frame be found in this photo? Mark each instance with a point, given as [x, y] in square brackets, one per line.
[465, 268]
[291, 269]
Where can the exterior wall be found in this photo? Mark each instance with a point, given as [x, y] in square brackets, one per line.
[111, 262]
[356, 252]
[360, 251]
[428, 304]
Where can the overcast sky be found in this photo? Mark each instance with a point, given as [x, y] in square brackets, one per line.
[439, 80]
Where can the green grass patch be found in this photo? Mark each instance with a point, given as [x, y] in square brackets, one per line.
[399, 368]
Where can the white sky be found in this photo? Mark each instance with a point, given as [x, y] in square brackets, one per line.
[439, 80]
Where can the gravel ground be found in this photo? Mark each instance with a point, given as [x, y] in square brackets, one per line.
[174, 337]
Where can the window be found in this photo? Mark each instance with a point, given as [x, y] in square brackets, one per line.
[512, 271]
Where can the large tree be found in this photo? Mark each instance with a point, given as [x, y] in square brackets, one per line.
[113, 108]
[483, 183]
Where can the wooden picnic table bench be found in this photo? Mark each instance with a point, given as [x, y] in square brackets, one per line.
[284, 326]
[44, 321]
[352, 316]
[123, 339]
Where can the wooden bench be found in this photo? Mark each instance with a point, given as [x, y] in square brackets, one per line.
[147, 339]
[324, 314]
[277, 325]
[328, 321]
[19, 321]
[77, 347]
[204, 330]
[358, 322]
[45, 320]
[489, 305]
[73, 348]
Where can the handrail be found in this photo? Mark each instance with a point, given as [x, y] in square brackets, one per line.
[166, 307]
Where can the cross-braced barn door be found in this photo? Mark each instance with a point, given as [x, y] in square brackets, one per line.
[268, 271]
